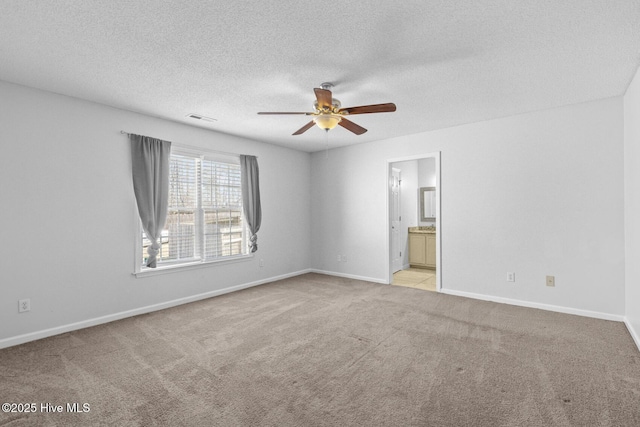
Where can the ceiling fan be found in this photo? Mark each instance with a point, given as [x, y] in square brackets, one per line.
[329, 112]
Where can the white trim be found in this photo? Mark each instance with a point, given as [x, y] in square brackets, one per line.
[547, 307]
[349, 276]
[435, 155]
[632, 332]
[400, 249]
[174, 268]
[438, 226]
[32, 336]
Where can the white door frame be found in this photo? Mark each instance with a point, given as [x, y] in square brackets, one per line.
[396, 260]
[436, 156]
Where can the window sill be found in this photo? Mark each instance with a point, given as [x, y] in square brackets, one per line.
[166, 269]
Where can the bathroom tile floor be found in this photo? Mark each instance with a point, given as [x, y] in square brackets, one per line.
[417, 278]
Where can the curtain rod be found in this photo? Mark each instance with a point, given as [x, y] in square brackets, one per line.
[191, 147]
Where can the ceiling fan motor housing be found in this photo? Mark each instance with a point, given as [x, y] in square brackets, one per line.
[335, 106]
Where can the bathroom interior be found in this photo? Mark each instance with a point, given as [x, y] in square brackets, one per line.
[413, 216]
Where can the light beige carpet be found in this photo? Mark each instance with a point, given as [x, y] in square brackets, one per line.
[316, 350]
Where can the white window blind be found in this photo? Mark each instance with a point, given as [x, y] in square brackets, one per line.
[204, 217]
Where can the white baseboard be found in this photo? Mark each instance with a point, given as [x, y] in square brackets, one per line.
[32, 336]
[349, 276]
[548, 307]
[632, 332]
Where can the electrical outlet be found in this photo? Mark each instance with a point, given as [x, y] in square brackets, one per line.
[551, 280]
[24, 305]
[511, 277]
[261, 263]
[339, 258]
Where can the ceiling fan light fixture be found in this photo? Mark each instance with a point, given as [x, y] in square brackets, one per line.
[327, 121]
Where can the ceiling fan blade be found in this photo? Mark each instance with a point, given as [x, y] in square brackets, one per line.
[304, 128]
[271, 112]
[349, 125]
[324, 97]
[365, 109]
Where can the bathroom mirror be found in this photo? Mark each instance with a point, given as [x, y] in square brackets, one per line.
[427, 203]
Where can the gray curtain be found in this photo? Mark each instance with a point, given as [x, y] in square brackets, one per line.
[251, 197]
[150, 167]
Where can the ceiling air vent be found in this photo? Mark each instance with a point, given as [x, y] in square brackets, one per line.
[201, 117]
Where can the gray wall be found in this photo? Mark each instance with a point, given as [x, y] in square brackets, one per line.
[536, 194]
[69, 217]
[632, 205]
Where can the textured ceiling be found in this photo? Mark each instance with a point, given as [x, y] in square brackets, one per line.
[443, 63]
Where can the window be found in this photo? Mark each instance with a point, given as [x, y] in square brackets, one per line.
[204, 218]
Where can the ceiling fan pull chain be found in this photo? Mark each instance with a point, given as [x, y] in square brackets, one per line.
[326, 133]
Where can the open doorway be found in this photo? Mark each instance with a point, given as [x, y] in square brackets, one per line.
[413, 202]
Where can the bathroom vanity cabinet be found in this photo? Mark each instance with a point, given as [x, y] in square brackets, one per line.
[422, 249]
